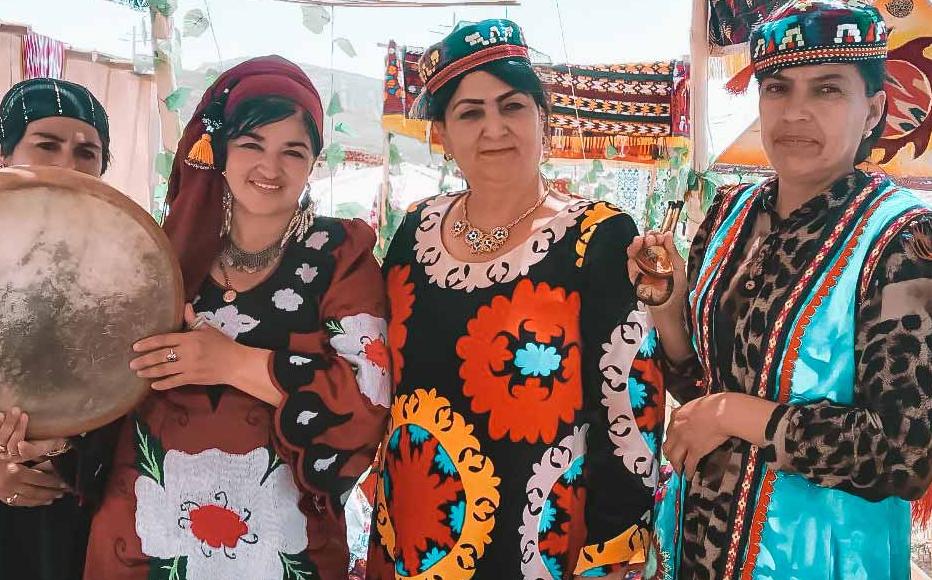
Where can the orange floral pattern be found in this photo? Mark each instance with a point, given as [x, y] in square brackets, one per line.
[522, 363]
[401, 298]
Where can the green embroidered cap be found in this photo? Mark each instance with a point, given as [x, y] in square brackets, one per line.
[467, 47]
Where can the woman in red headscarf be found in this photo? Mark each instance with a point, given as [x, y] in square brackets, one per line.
[269, 406]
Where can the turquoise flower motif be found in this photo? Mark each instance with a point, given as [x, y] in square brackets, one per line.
[418, 434]
[394, 440]
[537, 360]
[574, 471]
[553, 566]
[650, 439]
[443, 462]
[386, 484]
[400, 568]
[649, 345]
[457, 517]
[548, 516]
[637, 391]
[432, 556]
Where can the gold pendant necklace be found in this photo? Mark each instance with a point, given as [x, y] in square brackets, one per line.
[229, 294]
[482, 242]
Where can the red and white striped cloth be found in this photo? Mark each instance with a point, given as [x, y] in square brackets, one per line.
[42, 56]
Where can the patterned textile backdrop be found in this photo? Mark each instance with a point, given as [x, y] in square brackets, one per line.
[42, 56]
[730, 21]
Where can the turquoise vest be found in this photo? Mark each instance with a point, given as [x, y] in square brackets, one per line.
[799, 529]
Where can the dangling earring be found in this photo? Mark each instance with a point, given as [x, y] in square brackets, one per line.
[227, 213]
[448, 157]
[303, 217]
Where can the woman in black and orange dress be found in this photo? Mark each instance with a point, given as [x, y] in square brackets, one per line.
[526, 412]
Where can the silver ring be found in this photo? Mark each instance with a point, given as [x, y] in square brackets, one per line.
[12, 499]
[172, 356]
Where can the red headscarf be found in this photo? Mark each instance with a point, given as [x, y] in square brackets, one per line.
[195, 195]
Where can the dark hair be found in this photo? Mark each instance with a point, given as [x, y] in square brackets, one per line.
[874, 73]
[257, 112]
[14, 133]
[516, 73]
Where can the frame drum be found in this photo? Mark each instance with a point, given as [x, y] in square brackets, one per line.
[84, 273]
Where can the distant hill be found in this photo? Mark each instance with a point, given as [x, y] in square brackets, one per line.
[360, 97]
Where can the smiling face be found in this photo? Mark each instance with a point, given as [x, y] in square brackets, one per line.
[267, 167]
[813, 119]
[493, 131]
[59, 142]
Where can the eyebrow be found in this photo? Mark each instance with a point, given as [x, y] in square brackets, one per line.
[58, 139]
[261, 139]
[498, 99]
[818, 79]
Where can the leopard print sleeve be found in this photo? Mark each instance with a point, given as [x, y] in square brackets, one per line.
[882, 446]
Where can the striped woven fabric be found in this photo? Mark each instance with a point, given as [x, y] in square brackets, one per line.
[42, 56]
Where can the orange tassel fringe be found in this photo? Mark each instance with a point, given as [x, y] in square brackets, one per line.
[201, 155]
[738, 85]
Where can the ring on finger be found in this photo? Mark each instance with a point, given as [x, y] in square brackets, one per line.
[12, 499]
[172, 356]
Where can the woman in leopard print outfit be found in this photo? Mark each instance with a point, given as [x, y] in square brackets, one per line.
[804, 366]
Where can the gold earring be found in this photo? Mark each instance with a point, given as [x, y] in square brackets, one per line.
[227, 213]
[303, 218]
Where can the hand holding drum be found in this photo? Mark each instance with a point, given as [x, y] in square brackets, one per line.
[84, 273]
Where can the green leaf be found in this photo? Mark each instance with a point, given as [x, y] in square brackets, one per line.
[173, 569]
[296, 566]
[611, 152]
[165, 7]
[315, 18]
[163, 163]
[150, 456]
[334, 327]
[601, 191]
[349, 210]
[334, 154]
[346, 46]
[394, 155]
[211, 75]
[597, 167]
[692, 180]
[195, 23]
[177, 99]
[342, 128]
[334, 108]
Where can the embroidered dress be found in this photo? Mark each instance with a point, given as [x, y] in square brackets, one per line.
[836, 327]
[211, 483]
[527, 404]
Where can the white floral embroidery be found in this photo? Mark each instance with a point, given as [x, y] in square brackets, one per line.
[445, 271]
[556, 461]
[253, 515]
[299, 361]
[307, 273]
[229, 321]
[361, 340]
[317, 240]
[287, 299]
[615, 365]
[324, 464]
[304, 417]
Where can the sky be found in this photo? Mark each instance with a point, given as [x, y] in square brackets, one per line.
[592, 31]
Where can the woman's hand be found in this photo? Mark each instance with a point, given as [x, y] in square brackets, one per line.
[654, 239]
[14, 447]
[22, 486]
[696, 429]
[200, 356]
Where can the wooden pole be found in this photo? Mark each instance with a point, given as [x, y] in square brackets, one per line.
[169, 121]
[385, 190]
[698, 104]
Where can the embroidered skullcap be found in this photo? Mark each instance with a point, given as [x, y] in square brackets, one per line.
[807, 32]
[38, 98]
[467, 47]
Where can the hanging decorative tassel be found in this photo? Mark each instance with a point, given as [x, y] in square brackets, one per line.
[738, 85]
[922, 509]
[201, 155]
